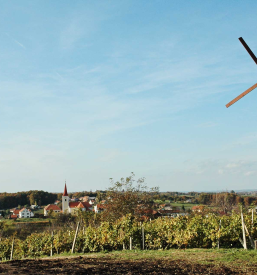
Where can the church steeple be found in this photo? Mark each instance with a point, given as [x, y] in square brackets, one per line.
[65, 200]
[65, 193]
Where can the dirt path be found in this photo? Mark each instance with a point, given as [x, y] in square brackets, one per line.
[107, 265]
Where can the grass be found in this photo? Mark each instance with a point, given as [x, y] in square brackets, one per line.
[31, 220]
[203, 256]
[188, 261]
[237, 261]
[8, 221]
[39, 211]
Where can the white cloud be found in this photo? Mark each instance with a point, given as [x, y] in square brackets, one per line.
[249, 173]
[16, 41]
[232, 165]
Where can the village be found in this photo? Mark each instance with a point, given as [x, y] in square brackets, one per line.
[86, 203]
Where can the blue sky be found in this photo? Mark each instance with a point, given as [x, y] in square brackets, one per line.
[92, 90]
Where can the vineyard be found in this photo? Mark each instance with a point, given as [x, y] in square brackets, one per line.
[196, 231]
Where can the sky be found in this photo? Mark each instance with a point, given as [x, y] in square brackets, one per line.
[93, 90]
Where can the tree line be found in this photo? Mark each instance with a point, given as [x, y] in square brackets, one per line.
[11, 200]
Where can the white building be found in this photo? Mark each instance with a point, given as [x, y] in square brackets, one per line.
[25, 213]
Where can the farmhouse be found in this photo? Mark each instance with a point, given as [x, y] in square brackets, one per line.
[51, 207]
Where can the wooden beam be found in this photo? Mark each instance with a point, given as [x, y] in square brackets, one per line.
[75, 237]
[242, 95]
[248, 49]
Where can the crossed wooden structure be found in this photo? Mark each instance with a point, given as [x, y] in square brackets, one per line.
[255, 85]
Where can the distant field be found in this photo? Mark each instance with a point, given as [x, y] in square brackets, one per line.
[189, 261]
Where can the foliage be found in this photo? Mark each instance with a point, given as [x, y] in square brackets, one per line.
[128, 196]
[196, 231]
[10, 200]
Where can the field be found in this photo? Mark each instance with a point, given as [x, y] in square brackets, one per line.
[190, 261]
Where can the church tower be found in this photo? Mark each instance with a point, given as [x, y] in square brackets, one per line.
[65, 201]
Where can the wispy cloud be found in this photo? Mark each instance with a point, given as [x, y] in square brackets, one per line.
[222, 167]
[249, 173]
[16, 41]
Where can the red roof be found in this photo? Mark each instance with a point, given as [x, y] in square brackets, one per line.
[65, 191]
[79, 204]
[87, 204]
[24, 209]
[74, 204]
[52, 207]
[16, 212]
[13, 216]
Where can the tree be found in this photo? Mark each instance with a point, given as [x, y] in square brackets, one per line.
[128, 196]
[225, 201]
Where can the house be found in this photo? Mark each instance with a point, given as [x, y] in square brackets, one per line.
[13, 209]
[74, 199]
[91, 202]
[85, 198]
[169, 212]
[99, 208]
[73, 206]
[23, 213]
[198, 208]
[15, 213]
[51, 207]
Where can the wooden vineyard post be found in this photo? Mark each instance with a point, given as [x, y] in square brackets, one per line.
[252, 218]
[130, 243]
[12, 249]
[243, 229]
[251, 240]
[51, 252]
[219, 236]
[75, 237]
[143, 238]
[255, 244]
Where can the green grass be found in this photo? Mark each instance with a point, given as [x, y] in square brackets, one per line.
[8, 221]
[39, 211]
[28, 220]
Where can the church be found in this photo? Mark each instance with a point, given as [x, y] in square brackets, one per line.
[73, 206]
